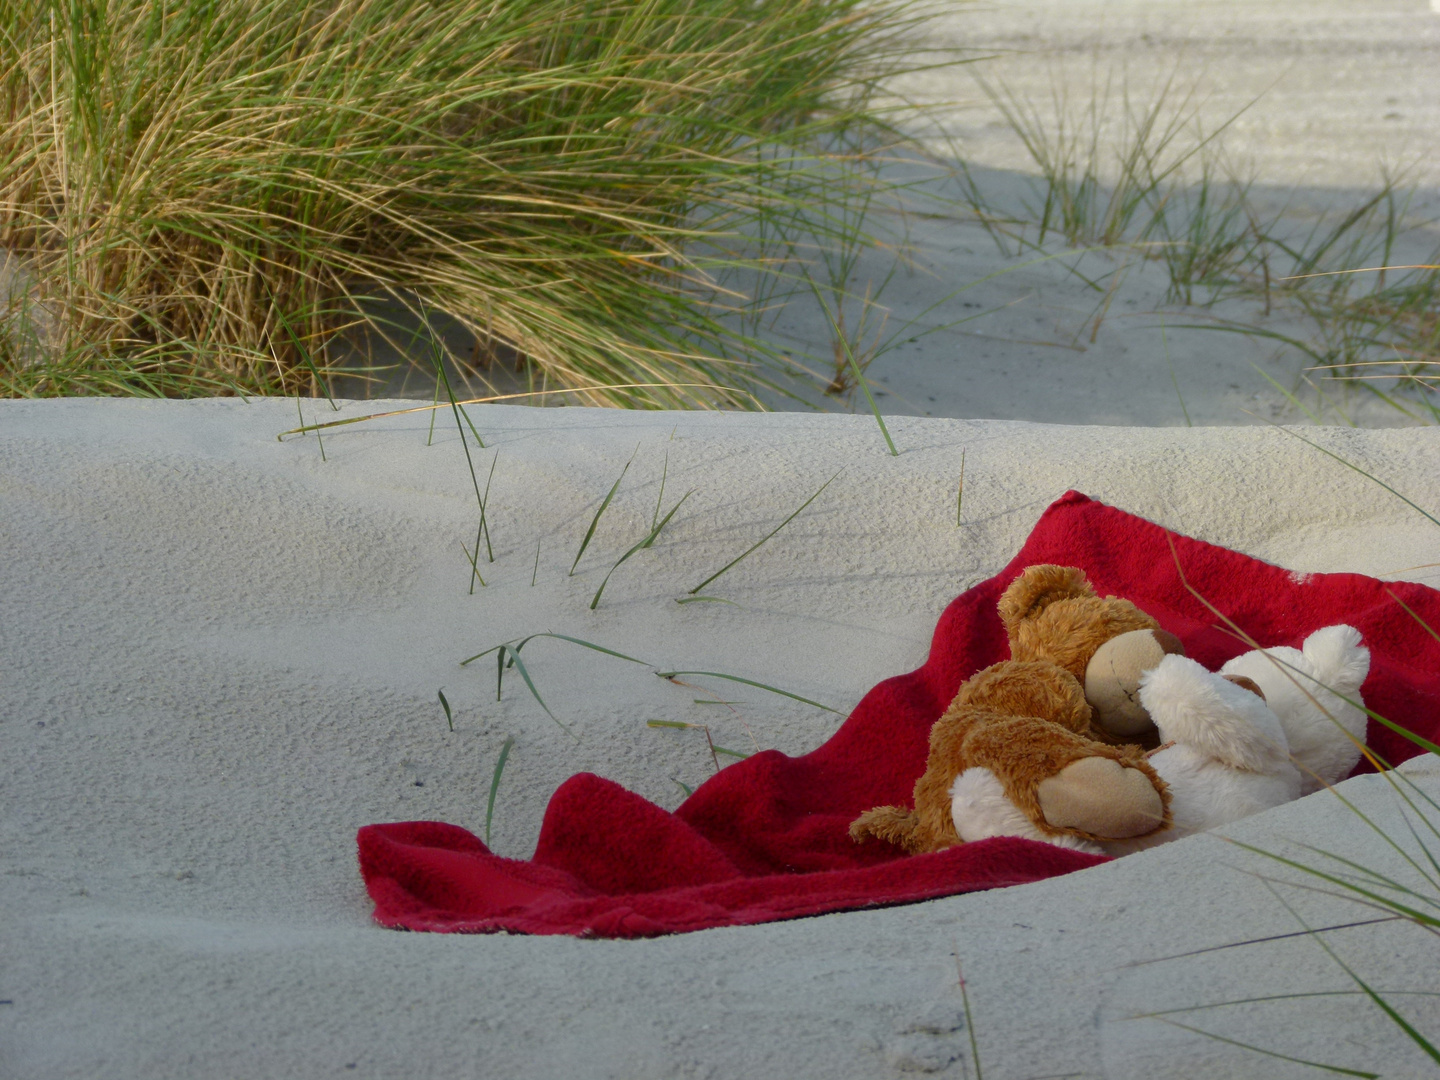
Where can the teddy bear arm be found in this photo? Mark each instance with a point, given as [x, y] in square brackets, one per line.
[1066, 783]
[1103, 799]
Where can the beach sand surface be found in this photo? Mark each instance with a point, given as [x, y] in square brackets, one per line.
[222, 653]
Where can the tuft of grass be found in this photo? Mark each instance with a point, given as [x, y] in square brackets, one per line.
[1100, 190]
[641, 544]
[507, 655]
[1140, 178]
[223, 197]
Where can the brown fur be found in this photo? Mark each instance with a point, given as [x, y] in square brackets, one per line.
[1052, 613]
[1027, 688]
[1024, 719]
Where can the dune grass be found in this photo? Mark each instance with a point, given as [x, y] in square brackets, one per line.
[1140, 177]
[213, 196]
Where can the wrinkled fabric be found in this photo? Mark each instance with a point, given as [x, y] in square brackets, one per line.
[767, 838]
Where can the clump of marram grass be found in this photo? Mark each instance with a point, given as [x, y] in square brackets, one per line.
[209, 196]
[1140, 177]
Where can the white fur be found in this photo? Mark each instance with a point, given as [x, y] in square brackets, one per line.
[1230, 757]
[1331, 659]
[1234, 754]
[1213, 716]
[981, 810]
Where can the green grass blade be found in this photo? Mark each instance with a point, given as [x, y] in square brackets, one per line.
[595, 521]
[1340, 1070]
[1377, 900]
[1175, 379]
[469, 461]
[864, 385]
[519, 643]
[1389, 1010]
[794, 514]
[1267, 998]
[751, 682]
[1351, 465]
[960, 491]
[495, 784]
[305, 355]
[660, 498]
[449, 719]
[655, 531]
[474, 566]
[430, 438]
[484, 515]
[1428, 628]
[512, 651]
[529, 682]
[843, 340]
[705, 600]
[686, 788]
[577, 641]
[471, 659]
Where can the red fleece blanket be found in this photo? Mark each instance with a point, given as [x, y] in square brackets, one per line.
[766, 838]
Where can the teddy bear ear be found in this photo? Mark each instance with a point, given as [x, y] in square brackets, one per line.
[1037, 588]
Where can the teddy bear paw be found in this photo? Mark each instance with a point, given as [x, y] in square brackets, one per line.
[1103, 798]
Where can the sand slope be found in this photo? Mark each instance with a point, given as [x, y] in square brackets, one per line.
[221, 655]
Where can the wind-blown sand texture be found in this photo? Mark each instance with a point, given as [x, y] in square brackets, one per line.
[222, 654]
[219, 656]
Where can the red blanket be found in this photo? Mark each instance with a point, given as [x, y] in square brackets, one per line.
[767, 838]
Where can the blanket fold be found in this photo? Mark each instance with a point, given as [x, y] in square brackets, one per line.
[766, 838]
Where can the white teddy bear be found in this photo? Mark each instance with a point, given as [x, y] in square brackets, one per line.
[1333, 658]
[1228, 749]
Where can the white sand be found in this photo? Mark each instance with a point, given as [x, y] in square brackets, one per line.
[222, 653]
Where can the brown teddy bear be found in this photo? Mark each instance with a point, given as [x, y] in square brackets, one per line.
[1015, 753]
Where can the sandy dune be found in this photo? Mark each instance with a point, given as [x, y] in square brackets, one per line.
[222, 654]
